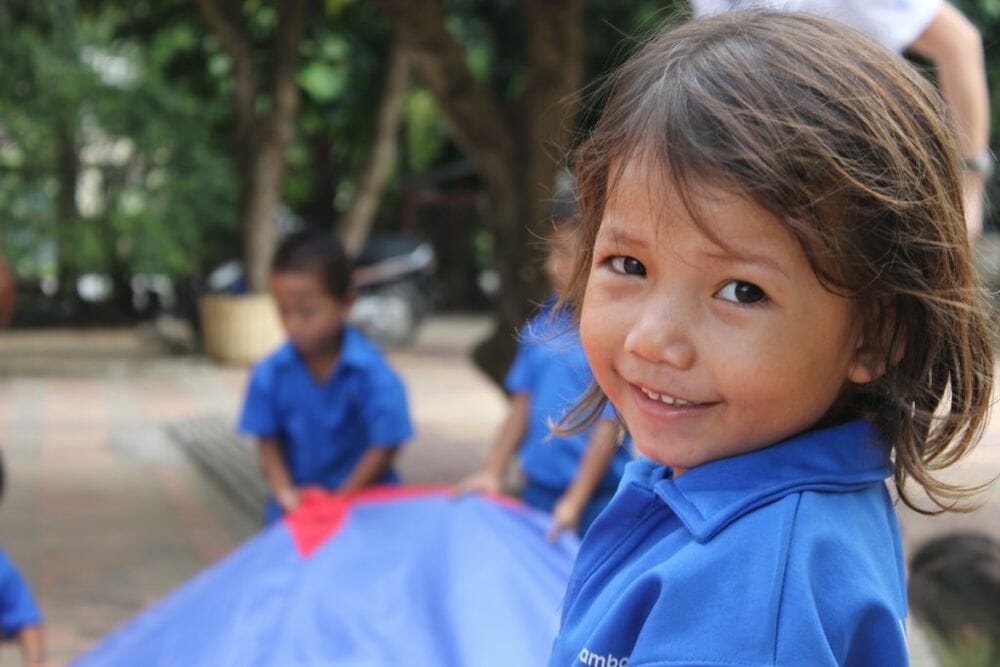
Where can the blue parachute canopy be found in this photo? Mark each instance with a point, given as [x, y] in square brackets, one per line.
[382, 578]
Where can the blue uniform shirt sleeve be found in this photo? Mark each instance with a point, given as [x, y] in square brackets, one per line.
[836, 596]
[17, 606]
[385, 412]
[521, 376]
[259, 416]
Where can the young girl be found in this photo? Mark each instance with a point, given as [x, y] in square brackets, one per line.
[776, 295]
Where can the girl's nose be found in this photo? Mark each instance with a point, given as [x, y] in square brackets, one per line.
[661, 334]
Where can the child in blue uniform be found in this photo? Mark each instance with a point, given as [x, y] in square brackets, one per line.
[327, 408]
[776, 294]
[19, 615]
[571, 475]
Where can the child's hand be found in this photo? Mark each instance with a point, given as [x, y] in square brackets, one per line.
[288, 498]
[565, 516]
[483, 481]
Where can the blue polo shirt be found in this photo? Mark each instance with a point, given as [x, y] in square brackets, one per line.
[789, 555]
[326, 427]
[17, 606]
[551, 367]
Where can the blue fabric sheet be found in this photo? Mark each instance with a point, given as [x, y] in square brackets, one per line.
[422, 579]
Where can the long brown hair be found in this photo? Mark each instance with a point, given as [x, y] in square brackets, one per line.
[847, 145]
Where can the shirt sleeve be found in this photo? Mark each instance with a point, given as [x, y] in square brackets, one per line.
[709, 7]
[521, 376]
[894, 23]
[259, 416]
[843, 589]
[17, 605]
[385, 411]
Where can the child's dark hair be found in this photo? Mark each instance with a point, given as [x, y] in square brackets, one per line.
[846, 145]
[319, 252]
[954, 590]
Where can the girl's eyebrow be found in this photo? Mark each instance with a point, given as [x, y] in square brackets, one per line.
[619, 236]
[730, 255]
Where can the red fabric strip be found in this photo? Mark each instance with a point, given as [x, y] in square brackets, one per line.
[321, 513]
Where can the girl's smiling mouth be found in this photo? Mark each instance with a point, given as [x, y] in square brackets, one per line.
[667, 399]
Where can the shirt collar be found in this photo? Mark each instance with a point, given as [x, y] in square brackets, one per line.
[709, 497]
[355, 350]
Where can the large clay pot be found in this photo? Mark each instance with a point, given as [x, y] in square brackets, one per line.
[239, 328]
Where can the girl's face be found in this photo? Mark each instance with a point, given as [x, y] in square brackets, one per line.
[711, 350]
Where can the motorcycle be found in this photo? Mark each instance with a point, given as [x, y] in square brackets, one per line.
[395, 290]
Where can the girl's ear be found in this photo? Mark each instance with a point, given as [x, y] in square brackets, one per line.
[867, 366]
[870, 361]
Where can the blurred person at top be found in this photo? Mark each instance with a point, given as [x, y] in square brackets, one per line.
[571, 475]
[936, 31]
[326, 407]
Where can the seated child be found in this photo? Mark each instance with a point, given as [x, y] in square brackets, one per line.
[19, 615]
[326, 407]
[955, 591]
[776, 293]
[573, 476]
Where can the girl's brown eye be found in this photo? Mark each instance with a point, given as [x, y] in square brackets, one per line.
[629, 266]
[740, 291]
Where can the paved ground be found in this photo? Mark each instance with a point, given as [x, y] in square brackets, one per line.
[102, 512]
[105, 516]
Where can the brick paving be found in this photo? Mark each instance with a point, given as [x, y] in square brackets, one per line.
[105, 515]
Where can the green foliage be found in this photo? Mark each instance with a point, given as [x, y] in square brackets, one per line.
[148, 79]
[323, 81]
[154, 181]
[424, 130]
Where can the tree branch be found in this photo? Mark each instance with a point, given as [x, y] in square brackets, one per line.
[473, 117]
[548, 103]
[224, 21]
[286, 69]
[357, 220]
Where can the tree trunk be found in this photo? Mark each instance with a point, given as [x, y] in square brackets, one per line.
[358, 220]
[516, 151]
[260, 202]
[67, 214]
[522, 286]
[543, 130]
[260, 142]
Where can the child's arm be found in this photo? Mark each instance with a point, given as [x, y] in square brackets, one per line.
[515, 425]
[272, 464]
[954, 46]
[601, 448]
[369, 469]
[32, 650]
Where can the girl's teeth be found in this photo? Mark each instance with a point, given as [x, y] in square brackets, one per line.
[663, 398]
